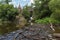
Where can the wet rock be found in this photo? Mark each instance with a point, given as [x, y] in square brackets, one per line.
[19, 37]
[34, 32]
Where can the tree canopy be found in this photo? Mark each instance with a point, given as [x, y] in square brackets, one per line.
[42, 9]
[54, 5]
[7, 17]
[5, 1]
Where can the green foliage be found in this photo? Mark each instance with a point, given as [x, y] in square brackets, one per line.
[43, 21]
[7, 12]
[47, 21]
[54, 5]
[26, 12]
[5, 1]
[56, 15]
[41, 9]
[53, 21]
[7, 18]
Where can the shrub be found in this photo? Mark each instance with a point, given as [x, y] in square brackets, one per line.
[54, 5]
[47, 21]
[7, 17]
[56, 15]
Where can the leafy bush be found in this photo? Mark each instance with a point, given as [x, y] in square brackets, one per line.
[47, 21]
[56, 15]
[41, 10]
[43, 21]
[54, 5]
[7, 17]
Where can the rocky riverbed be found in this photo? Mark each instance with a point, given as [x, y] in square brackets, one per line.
[34, 32]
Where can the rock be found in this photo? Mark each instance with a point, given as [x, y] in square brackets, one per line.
[19, 37]
[34, 32]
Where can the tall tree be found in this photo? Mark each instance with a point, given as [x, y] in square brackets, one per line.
[7, 17]
[54, 5]
[41, 8]
[26, 12]
[5, 1]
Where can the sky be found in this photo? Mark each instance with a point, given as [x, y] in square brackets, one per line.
[21, 2]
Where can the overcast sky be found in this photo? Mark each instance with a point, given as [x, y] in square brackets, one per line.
[21, 2]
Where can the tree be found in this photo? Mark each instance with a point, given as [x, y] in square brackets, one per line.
[7, 12]
[26, 12]
[7, 18]
[41, 9]
[54, 5]
[5, 1]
